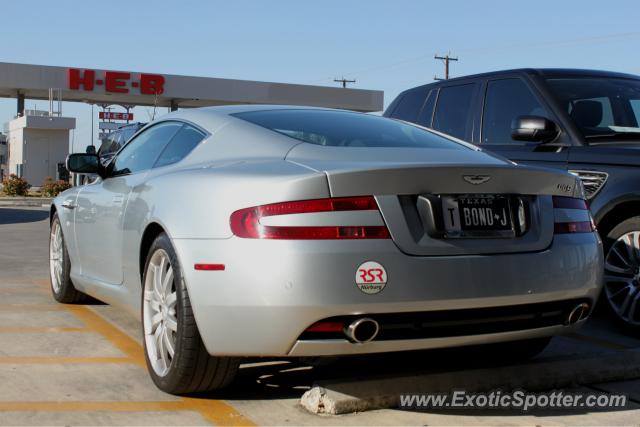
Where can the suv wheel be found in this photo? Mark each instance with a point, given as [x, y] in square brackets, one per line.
[622, 273]
[176, 357]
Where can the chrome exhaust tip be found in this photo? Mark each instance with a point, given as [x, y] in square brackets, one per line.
[577, 313]
[362, 330]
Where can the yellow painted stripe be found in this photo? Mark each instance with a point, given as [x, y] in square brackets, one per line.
[118, 338]
[598, 341]
[52, 360]
[216, 411]
[36, 330]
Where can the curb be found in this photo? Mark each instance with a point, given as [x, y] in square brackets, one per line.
[348, 396]
[25, 201]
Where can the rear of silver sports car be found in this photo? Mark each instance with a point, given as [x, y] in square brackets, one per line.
[399, 258]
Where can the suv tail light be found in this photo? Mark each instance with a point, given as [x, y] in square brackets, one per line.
[246, 222]
[580, 222]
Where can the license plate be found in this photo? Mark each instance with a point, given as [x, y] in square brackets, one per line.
[477, 216]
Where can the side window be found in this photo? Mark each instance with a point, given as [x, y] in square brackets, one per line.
[425, 116]
[454, 108]
[635, 107]
[505, 100]
[180, 145]
[410, 105]
[142, 152]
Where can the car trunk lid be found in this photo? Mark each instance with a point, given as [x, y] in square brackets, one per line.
[414, 187]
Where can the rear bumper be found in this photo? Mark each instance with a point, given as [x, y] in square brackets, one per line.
[344, 347]
[271, 291]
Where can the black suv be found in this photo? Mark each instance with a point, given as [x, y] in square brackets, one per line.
[586, 122]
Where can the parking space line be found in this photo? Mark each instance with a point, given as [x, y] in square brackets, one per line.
[598, 341]
[114, 335]
[62, 360]
[217, 411]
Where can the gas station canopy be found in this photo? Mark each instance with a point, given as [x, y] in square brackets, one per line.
[135, 88]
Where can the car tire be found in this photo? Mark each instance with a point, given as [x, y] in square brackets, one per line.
[169, 327]
[621, 290]
[60, 267]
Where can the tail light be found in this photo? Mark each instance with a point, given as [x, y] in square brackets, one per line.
[568, 221]
[246, 222]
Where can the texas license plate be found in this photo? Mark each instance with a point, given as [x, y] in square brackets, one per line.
[477, 216]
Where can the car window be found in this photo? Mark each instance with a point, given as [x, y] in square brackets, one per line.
[505, 100]
[180, 145]
[635, 107]
[426, 114]
[453, 109]
[345, 129]
[142, 152]
[603, 108]
[410, 105]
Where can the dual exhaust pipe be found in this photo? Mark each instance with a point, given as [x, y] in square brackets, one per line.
[362, 330]
[577, 313]
[366, 329]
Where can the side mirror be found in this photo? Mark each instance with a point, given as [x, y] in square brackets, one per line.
[84, 163]
[533, 128]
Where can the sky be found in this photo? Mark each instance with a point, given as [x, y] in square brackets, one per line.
[384, 45]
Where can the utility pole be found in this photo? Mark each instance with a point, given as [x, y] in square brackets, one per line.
[446, 60]
[344, 81]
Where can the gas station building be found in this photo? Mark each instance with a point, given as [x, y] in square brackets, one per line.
[38, 141]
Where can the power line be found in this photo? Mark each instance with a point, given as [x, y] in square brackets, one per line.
[344, 81]
[446, 59]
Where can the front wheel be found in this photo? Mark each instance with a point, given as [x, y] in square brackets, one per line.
[622, 273]
[177, 359]
[60, 267]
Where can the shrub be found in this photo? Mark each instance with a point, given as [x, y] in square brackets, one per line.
[51, 188]
[15, 186]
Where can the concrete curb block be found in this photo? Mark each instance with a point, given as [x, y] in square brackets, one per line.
[348, 396]
[25, 201]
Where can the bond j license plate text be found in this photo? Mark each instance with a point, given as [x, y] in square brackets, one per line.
[481, 215]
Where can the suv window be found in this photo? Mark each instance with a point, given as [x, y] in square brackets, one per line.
[180, 145]
[410, 105]
[142, 151]
[453, 109]
[505, 100]
[426, 115]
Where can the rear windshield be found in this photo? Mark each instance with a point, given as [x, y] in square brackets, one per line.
[346, 129]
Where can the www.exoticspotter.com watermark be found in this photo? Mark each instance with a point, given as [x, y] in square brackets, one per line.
[518, 399]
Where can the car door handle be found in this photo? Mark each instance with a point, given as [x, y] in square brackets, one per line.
[69, 204]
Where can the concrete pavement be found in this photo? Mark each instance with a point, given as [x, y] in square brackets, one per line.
[82, 364]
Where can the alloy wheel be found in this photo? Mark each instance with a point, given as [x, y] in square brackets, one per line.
[159, 313]
[56, 256]
[622, 277]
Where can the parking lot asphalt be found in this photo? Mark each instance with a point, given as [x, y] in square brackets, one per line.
[83, 364]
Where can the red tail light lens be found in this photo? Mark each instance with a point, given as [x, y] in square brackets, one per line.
[573, 203]
[560, 202]
[246, 222]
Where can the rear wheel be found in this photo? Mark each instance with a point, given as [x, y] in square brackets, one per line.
[622, 273]
[177, 359]
[60, 267]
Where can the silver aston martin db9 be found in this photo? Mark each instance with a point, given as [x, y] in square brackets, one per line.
[293, 231]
